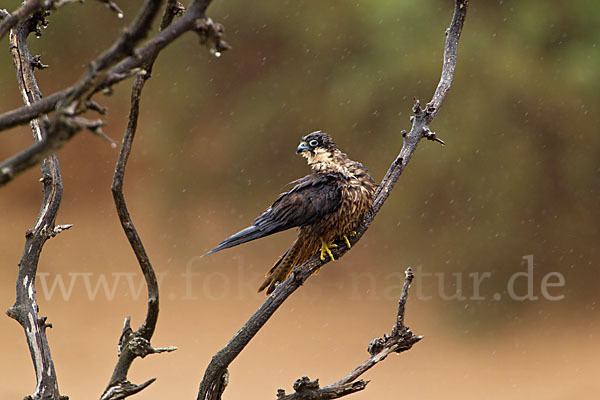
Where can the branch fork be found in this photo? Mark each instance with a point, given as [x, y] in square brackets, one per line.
[422, 118]
[401, 339]
[136, 344]
[124, 59]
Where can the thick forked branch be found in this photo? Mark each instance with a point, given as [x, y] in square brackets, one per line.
[25, 308]
[215, 375]
[135, 344]
[121, 61]
[122, 48]
[61, 130]
[401, 339]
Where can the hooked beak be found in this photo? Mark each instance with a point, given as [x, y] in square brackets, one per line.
[302, 147]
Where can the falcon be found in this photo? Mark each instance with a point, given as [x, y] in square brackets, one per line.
[326, 205]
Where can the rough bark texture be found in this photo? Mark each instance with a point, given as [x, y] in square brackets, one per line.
[25, 309]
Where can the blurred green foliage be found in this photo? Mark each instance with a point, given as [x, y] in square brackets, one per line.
[520, 174]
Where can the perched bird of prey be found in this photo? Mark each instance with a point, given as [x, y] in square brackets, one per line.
[327, 206]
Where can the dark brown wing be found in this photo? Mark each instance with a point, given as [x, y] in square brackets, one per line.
[313, 197]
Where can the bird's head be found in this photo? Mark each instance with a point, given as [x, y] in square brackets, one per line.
[317, 147]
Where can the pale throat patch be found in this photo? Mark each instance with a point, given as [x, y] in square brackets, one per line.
[322, 159]
[319, 156]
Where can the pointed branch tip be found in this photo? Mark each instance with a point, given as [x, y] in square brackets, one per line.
[430, 135]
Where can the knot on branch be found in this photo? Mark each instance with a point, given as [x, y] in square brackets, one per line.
[398, 341]
[174, 9]
[59, 228]
[43, 324]
[133, 343]
[37, 22]
[376, 345]
[36, 62]
[15, 312]
[46, 179]
[211, 34]
[430, 135]
[305, 384]
[139, 346]
[421, 121]
[305, 389]
[401, 338]
[427, 111]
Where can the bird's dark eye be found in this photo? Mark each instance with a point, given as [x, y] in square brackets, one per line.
[313, 143]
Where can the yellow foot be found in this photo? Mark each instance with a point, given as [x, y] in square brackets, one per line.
[352, 234]
[347, 241]
[325, 249]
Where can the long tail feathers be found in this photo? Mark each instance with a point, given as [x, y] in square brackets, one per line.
[281, 269]
[243, 236]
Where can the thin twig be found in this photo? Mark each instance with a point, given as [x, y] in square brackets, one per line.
[402, 301]
[174, 9]
[217, 369]
[25, 308]
[111, 5]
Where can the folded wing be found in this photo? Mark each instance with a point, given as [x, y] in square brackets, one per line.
[313, 197]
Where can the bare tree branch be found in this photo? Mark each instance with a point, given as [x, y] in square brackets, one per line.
[25, 309]
[59, 133]
[102, 74]
[216, 373]
[401, 339]
[113, 7]
[132, 344]
[28, 8]
[10, 20]
[174, 9]
[135, 344]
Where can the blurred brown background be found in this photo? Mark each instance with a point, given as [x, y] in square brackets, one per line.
[519, 177]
